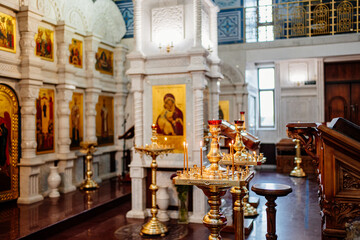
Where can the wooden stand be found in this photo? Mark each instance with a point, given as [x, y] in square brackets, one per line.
[271, 192]
[285, 153]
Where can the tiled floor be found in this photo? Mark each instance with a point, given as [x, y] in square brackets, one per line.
[298, 216]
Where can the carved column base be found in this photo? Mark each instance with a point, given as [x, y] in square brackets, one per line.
[29, 185]
[138, 190]
[66, 169]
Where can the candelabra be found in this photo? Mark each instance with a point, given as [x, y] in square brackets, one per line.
[239, 159]
[214, 182]
[88, 148]
[153, 227]
[297, 171]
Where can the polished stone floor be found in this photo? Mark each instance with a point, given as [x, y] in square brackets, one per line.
[298, 217]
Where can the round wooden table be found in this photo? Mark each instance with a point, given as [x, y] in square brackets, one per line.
[271, 191]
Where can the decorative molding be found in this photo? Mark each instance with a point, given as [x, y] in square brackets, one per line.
[350, 182]
[205, 30]
[307, 137]
[78, 19]
[167, 24]
[342, 212]
[108, 21]
[167, 62]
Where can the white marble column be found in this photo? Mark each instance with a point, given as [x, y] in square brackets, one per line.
[64, 96]
[29, 86]
[66, 158]
[214, 98]
[65, 90]
[91, 99]
[241, 100]
[92, 91]
[120, 102]
[29, 163]
[199, 199]
[137, 170]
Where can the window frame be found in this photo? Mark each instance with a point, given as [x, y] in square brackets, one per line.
[259, 101]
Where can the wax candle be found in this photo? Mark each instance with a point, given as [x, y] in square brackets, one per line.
[184, 154]
[187, 159]
[201, 160]
[232, 161]
[232, 144]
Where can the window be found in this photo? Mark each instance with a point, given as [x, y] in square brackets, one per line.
[265, 21]
[266, 77]
[259, 21]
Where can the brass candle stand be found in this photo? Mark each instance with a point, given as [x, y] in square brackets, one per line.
[88, 148]
[214, 182]
[242, 158]
[297, 171]
[153, 227]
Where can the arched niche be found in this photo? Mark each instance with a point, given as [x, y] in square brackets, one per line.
[9, 143]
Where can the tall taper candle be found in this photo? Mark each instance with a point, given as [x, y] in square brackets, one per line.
[184, 156]
[187, 159]
[232, 161]
[201, 160]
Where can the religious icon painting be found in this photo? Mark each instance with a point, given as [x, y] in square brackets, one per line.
[224, 110]
[45, 122]
[76, 53]
[169, 109]
[104, 61]
[7, 33]
[105, 120]
[76, 120]
[44, 44]
[9, 144]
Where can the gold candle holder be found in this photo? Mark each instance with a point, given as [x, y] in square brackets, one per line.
[249, 211]
[153, 227]
[297, 171]
[88, 148]
[214, 182]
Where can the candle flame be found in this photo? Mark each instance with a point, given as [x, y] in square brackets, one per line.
[201, 143]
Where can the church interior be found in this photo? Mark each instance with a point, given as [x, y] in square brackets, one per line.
[180, 119]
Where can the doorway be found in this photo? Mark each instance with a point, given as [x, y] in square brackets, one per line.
[342, 91]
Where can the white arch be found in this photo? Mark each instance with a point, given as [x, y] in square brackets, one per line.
[231, 75]
[107, 21]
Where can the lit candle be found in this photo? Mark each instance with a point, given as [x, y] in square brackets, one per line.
[201, 160]
[232, 161]
[187, 159]
[184, 155]
[254, 156]
[232, 144]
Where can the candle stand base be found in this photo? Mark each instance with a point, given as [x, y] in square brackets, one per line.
[297, 172]
[154, 228]
[88, 184]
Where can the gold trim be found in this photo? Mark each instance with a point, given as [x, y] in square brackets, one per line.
[13, 193]
[13, 20]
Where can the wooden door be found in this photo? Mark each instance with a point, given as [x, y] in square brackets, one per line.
[355, 103]
[337, 101]
[342, 90]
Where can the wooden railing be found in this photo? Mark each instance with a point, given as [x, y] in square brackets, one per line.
[336, 155]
